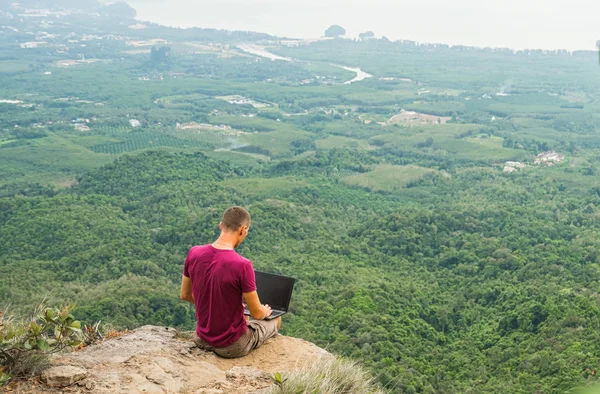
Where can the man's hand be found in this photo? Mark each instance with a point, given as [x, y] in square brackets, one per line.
[257, 311]
[267, 310]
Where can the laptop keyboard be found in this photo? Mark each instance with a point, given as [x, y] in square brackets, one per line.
[273, 315]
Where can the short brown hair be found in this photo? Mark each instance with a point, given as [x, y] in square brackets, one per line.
[235, 217]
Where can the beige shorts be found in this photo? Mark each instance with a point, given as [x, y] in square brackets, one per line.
[259, 331]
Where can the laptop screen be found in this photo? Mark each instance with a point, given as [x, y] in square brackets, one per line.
[274, 290]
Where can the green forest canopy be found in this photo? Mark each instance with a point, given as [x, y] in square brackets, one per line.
[389, 199]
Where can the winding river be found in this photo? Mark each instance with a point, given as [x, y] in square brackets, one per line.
[262, 52]
[360, 74]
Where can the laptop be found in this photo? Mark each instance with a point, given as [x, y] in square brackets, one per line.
[275, 291]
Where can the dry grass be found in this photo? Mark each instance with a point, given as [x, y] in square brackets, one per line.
[30, 364]
[23, 364]
[328, 376]
[109, 332]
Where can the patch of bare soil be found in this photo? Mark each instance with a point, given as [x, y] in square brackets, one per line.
[412, 117]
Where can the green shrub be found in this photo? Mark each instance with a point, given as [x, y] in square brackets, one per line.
[25, 345]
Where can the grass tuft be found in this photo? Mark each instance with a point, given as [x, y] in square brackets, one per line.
[328, 376]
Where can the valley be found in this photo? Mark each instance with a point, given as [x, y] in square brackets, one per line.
[439, 205]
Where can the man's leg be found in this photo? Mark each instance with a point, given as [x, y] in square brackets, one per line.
[263, 330]
[201, 344]
[258, 332]
[240, 348]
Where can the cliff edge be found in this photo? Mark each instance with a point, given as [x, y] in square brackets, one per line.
[156, 360]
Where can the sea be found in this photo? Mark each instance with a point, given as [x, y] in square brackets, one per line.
[489, 23]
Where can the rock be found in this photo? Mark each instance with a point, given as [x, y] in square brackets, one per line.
[261, 391]
[160, 376]
[280, 354]
[223, 385]
[246, 373]
[63, 375]
[155, 360]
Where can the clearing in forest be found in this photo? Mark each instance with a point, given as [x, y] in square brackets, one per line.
[71, 63]
[388, 177]
[199, 127]
[338, 141]
[221, 50]
[416, 118]
[269, 187]
[237, 99]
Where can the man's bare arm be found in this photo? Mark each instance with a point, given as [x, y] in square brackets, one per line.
[186, 289]
[257, 311]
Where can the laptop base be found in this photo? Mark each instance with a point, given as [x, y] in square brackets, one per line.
[272, 316]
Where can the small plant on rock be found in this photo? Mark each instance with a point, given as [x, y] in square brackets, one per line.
[278, 379]
[25, 345]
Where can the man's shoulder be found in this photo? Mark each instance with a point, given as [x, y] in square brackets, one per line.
[198, 249]
[242, 259]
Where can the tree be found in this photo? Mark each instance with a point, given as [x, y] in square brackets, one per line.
[366, 35]
[159, 56]
[335, 31]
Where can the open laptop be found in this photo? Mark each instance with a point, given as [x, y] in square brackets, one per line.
[275, 291]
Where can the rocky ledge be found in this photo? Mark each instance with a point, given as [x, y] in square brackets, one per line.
[156, 360]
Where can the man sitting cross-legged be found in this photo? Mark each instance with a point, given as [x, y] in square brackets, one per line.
[215, 278]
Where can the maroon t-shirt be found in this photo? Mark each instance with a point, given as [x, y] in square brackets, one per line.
[219, 277]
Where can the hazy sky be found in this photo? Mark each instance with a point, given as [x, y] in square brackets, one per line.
[548, 24]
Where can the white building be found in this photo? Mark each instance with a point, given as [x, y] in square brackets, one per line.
[32, 44]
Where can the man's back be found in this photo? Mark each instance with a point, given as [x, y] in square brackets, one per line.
[219, 277]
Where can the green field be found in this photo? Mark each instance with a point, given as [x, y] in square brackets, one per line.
[141, 141]
[336, 142]
[260, 187]
[13, 66]
[47, 160]
[388, 178]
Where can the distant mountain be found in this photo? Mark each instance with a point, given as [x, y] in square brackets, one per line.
[335, 31]
[120, 10]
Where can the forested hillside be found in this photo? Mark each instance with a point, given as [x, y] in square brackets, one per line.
[441, 216]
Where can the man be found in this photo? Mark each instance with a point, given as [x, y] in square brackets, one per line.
[215, 278]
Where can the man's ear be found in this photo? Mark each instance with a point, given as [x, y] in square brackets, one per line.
[221, 226]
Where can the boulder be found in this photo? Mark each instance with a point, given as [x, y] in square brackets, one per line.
[248, 373]
[63, 375]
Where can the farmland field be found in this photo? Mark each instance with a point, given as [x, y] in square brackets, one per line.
[388, 177]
